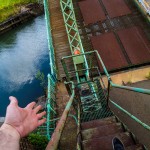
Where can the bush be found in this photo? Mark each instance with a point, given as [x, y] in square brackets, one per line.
[38, 141]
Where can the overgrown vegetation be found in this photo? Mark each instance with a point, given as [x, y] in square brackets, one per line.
[129, 82]
[148, 76]
[38, 141]
[41, 77]
[9, 8]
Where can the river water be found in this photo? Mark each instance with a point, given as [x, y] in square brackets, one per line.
[23, 51]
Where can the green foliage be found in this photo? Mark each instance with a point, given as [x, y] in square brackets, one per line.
[129, 82]
[9, 8]
[148, 76]
[7, 3]
[6, 12]
[38, 141]
[41, 77]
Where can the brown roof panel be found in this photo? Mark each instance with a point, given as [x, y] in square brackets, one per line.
[92, 11]
[136, 44]
[116, 8]
[109, 50]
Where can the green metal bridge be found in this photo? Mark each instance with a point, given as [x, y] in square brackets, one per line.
[89, 96]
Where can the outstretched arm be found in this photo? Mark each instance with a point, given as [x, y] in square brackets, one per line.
[19, 122]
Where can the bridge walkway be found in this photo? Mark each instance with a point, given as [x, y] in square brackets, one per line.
[59, 35]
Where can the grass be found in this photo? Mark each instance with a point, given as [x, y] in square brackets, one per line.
[9, 8]
[8, 3]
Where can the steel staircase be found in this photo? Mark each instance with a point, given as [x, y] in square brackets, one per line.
[98, 135]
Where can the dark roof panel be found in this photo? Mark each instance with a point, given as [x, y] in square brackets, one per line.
[109, 50]
[92, 11]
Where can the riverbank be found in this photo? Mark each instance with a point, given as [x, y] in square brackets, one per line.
[25, 13]
[11, 8]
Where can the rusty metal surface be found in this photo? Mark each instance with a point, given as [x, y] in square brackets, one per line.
[102, 131]
[136, 44]
[116, 8]
[97, 123]
[105, 143]
[109, 51]
[92, 11]
[135, 147]
[117, 23]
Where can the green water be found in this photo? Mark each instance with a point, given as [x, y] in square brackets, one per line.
[23, 51]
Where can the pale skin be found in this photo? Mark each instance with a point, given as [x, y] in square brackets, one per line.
[19, 122]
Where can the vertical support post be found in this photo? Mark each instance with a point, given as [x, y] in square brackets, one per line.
[48, 108]
[65, 69]
[108, 89]
[79, 128]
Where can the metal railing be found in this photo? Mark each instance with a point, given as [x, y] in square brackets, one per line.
[53, 144]
[145, 5]
[111, 84]
[49, 127]
[51, 113]
[53, 71]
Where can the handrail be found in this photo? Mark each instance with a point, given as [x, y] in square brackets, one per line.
[53, 144]
[52, 77]
[50, 41]
[132, 116]
[139, 90]
[50, 105]
[145, 5]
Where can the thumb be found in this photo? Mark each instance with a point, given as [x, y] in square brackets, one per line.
[13, 101]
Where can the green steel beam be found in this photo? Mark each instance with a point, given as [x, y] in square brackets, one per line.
[72, 31]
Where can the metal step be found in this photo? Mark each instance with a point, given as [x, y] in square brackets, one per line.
[102, 131]
[105, 142]
[135, 147]
[97, 123]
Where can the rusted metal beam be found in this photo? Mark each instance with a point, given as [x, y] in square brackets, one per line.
[53, 144]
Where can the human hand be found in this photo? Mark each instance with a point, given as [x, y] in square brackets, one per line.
[24, 120]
